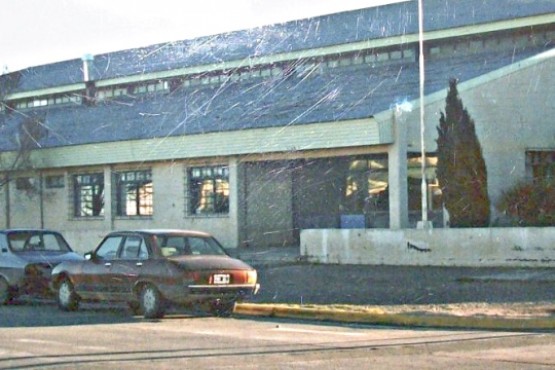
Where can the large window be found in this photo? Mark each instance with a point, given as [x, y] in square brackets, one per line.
[366, 188]
[88, 197]
[208, 190]
[134, 195]
[434, 196]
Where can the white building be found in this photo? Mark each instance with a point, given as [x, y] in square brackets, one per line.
[257, 134]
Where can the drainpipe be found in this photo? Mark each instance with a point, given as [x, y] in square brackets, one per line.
[7, 194]
[41, 200]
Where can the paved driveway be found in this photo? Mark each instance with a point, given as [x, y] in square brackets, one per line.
[391, 285]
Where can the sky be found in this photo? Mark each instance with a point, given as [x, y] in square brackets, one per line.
[35, 32]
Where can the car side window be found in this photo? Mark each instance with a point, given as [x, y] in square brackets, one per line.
[143, 251]
[108, 250]
[34, 243]
[51, 242]
[133, 247]
[199, 246]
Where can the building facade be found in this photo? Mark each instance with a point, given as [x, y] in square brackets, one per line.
[257, 134]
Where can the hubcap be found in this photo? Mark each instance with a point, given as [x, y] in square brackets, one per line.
[149, 299]
[64, 293]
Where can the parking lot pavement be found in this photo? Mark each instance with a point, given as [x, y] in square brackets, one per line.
[485, 297]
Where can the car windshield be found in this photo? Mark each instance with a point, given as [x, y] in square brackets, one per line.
[27, 241]
[179, 245]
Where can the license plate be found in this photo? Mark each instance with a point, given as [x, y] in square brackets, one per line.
[220, 278]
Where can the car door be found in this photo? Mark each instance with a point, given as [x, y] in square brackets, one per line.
[96, 278]
[128, 267]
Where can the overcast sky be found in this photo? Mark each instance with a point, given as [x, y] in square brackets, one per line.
[34, 32]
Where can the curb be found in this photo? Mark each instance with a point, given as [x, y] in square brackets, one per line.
[377, 316]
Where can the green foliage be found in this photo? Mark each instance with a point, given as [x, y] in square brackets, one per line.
[461, 169]
[529, 204]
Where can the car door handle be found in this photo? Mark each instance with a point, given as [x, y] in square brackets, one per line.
[139, 264]
[107, 264]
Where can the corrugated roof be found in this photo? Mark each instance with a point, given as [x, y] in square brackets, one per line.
[336, 94]
[347, 27]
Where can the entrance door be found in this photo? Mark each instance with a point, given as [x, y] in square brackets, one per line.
[269, 205]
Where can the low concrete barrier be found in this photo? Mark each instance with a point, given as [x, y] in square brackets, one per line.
[526, 247]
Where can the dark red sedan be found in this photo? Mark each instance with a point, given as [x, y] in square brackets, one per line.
[150, 269]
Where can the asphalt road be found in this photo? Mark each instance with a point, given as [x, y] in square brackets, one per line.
[38, 335]
[392, 285]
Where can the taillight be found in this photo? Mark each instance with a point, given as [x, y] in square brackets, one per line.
[192, 275]
[252, 276]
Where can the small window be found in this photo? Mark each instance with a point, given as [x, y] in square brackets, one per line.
[53, 182]
[208, 190]
[540, 165]
[25, 183]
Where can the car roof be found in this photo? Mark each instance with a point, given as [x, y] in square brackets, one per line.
[164, 232]
[22, 229]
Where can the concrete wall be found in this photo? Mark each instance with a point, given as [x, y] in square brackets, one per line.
[435, 247]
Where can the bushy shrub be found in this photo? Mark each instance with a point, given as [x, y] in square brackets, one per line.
[530, 204]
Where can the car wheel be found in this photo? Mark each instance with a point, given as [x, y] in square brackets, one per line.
[5, 294]
[67, 298]
[151, 302]
[222, 308]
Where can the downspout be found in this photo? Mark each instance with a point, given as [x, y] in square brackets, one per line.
[7, 194]
[41, 199]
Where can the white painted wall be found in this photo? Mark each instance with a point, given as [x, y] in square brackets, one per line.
[513, 110]
[435, 247]
[84, 234]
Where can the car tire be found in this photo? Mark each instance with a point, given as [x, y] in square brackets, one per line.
[5, 293]
[67, 298]
[152, 303]
[222, 308]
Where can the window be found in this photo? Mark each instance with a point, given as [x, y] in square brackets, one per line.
[134, 195]
[540, 165]
[25, 183]
[36, 241]
[434, 195]
[208, 190]
[134, 248]
[366, 188]
[109, 248]
[56, 181]
[88, 195]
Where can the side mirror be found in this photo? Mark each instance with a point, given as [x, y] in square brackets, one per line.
[89, 256]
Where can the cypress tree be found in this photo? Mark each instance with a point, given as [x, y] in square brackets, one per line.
[461, 169]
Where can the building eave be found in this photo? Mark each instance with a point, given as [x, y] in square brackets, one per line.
[318, 136]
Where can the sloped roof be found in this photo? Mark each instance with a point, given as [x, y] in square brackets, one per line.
[346, 27]
[336, 94]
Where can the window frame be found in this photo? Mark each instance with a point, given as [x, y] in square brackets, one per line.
[54, 182]
[123, 195]
[79, 198]
[205, 203]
